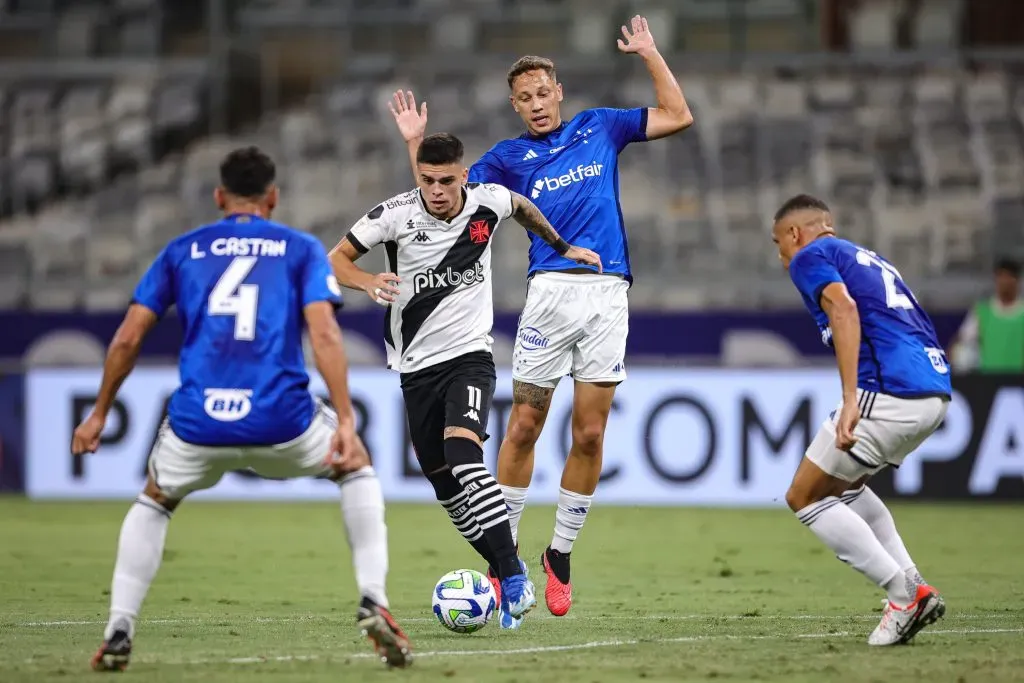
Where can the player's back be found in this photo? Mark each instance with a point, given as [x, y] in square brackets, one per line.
[238, 285]
[900, 353]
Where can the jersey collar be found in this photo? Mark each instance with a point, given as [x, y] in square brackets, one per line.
[243, 218]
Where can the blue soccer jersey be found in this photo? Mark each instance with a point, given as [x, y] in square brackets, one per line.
[899, 352]
[240, 286]
[572, 175]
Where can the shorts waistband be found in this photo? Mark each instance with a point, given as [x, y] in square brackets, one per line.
[578, 276]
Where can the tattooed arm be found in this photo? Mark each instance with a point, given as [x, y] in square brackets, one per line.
[529, 216]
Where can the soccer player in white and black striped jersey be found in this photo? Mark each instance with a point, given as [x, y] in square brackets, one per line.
[437, 238]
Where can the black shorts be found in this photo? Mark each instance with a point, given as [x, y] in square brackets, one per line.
[455, 393]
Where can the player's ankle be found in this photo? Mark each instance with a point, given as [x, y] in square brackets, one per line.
[558, 562]
[898, 590]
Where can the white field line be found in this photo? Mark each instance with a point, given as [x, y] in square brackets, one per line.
[424, 620]
[598, 644]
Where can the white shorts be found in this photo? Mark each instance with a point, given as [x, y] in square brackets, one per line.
[180, 468]
[890, 428]
[572, 324]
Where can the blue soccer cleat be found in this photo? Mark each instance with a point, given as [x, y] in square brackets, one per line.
[517, 598]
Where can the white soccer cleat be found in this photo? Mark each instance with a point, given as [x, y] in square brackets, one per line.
[900, 624]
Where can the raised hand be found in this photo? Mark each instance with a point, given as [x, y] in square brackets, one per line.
[640, 40]
[411, 124]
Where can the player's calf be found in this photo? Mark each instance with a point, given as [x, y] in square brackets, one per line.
[814, 497]
[591, 406]
[464, 456]
[455, 501]
[139, 553]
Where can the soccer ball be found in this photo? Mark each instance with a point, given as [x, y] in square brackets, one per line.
[464, 601]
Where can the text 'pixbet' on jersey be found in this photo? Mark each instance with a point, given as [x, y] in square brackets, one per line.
[572, 174]
[439, 279]
[240, 286]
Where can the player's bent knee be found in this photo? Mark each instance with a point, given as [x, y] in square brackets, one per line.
[524, 427]
[588, 438]
[154, 492]
[798, 498]
[366, 471]
[446, 487]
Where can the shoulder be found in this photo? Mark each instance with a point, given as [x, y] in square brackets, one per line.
[183, 243]
[400, 204]
[308, 241]
[490, 194]
[600, 114]
[487, 189]
[824, 248]
[393, 207]
[497, 153]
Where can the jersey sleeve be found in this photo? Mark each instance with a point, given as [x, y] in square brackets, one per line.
[371, 230]
[624, 125]
[499, 198]
[317, 278]
[812, 272]
[487, 169]
[155, 290]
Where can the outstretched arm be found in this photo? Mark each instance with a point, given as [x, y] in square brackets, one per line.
[672, 113]
[529, 216]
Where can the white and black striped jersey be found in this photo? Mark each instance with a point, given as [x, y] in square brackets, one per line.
[445, 306]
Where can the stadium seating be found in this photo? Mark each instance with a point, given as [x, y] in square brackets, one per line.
[924, 162]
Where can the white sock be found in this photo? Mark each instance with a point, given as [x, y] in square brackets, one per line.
[569, 518]
[872, 510]
[853, 542]
[362, 508]
[140, 549]
[515, 503]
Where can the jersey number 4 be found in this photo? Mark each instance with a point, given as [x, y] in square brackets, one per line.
[894, 298]
[231, 297]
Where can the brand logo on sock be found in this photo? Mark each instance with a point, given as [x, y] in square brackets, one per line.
[577, 510]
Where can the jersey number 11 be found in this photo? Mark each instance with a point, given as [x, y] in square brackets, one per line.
[231, 297]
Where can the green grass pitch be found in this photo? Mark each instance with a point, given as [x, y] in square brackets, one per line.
[265, 592]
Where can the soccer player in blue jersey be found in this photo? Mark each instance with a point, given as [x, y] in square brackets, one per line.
[244, 287]
[896, 389]
[575, 321]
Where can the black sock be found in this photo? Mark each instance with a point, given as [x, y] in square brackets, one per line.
[456, 503]
[559, 563]
[466, 460]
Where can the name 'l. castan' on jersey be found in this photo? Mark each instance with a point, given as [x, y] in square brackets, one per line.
[241, 246]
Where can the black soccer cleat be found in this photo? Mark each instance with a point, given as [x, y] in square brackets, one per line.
[113, 654]
[389, 641]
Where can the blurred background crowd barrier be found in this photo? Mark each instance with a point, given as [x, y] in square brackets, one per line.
[907, 116]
